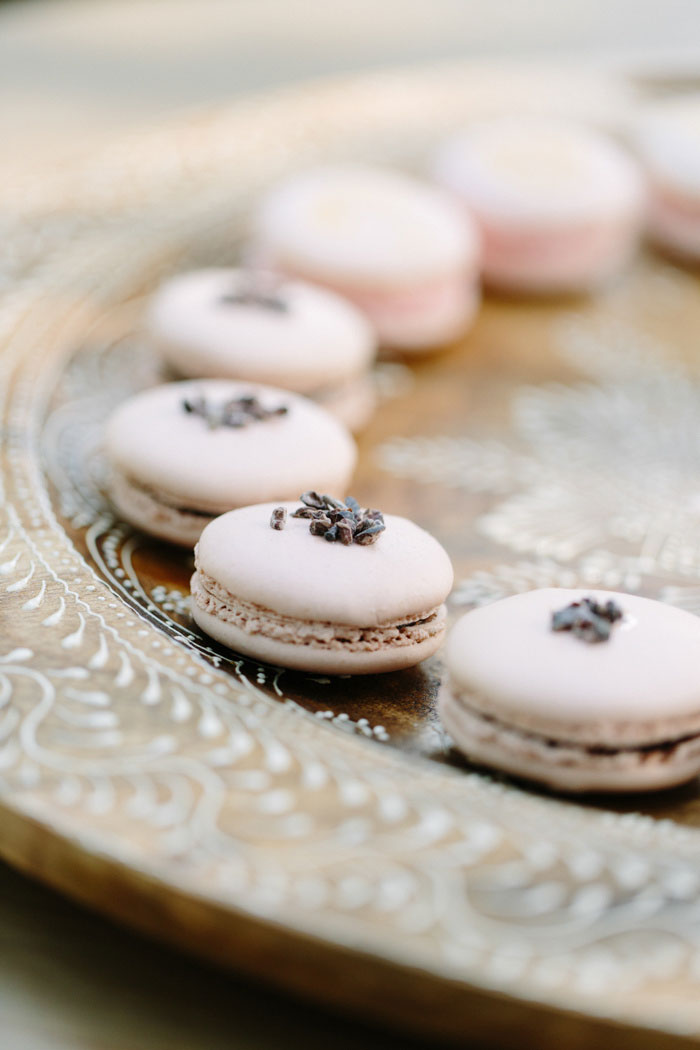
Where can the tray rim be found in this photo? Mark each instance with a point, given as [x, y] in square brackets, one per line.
[682, 839]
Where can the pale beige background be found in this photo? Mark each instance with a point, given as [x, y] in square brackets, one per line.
[73, 72]
[72, 76]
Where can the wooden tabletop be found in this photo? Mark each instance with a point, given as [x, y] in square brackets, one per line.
[72, 76]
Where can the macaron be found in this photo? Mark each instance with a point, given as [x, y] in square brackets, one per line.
[397, 248]
[322, 586]
[182, 453]
[580, 690]
[667, 140]
[255, 326]
[560, 207]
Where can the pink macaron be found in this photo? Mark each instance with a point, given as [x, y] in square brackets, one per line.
[182, 453]
[400, 250]
[580, 690]
[250, 325]
[667, 140]
[322, 586]
[560, 206]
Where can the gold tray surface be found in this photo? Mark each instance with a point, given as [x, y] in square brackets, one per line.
[323, 832]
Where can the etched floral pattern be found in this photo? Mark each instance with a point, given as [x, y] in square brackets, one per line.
[130, 740]
[612, 464]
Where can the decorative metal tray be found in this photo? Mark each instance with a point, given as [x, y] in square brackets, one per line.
[322, 833]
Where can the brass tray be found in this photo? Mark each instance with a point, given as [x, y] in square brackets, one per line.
[322, 833]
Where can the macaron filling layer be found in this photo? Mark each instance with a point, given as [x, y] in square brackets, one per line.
[147, 510]
[406, 315]
[436, 311]
[565, 764]
[122, 484]
[661, 746]
[254, 619]
[557, 258]
[629, 735]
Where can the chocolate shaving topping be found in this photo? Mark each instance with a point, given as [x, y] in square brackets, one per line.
[589, 620]
[343, 530]
[337, 521]
[250, 298]
[278, 518]
[235, 412]
[318, 526]
[255, 289]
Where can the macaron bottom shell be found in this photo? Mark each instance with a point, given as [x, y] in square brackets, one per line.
[566, 766]
[144, 510]
[334, 655]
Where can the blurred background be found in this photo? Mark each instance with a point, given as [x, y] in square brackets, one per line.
[74, 74]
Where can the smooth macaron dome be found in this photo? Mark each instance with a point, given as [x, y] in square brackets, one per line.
[572, 709]
[399, 249]
[182, 453]
[559, 206]
[289, 597]
[666, 137]
[243, 324]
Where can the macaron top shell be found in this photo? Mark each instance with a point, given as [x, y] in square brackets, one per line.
[667, 138]
[539, 171]
[405, 573]
[155, 442]
[365, 226]
[313, 339]
[507, 657]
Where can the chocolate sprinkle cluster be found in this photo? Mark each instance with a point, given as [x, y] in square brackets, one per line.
[248, 297]
[588, 619]
[235, 412]
[256, 290]
[278, 518]
[336, 520]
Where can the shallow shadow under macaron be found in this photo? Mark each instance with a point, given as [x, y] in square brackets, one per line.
[674, 257]
[564, 300]
[397, 707]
